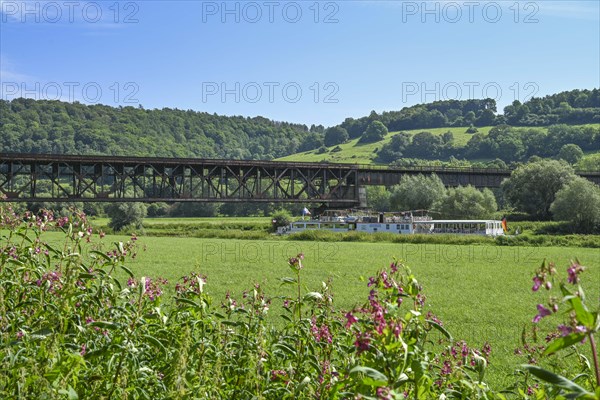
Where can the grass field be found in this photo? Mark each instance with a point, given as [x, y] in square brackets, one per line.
[354, 152]
[482, 293]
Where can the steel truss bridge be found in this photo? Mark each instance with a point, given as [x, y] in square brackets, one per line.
[63, 178]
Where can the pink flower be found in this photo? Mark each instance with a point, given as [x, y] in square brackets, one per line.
[542, 312]
[350, 319]
[574, 270]
[564, 330]
[537, 282]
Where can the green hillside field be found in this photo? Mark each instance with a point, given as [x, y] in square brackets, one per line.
[365, 153]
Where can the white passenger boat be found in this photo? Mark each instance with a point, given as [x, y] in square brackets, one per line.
[399, 223]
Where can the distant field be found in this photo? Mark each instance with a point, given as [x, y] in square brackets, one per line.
[482, 293]
[353, 152]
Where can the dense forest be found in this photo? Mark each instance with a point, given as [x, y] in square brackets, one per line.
[572, 107]
[31, 126]
[42, 126]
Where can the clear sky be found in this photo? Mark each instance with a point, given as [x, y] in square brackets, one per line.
[304, 61]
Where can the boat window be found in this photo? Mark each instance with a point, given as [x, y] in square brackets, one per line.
[387, 227]
[399, 226]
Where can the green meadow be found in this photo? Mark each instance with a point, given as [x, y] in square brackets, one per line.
[364, 153]
[481, 292]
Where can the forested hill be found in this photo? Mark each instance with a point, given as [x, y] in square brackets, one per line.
[572, 107]
[43, 126]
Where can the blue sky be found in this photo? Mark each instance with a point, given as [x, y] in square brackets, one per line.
[305, 61]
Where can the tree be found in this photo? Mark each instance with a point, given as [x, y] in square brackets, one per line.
[378, 198]
[393, 150]
[126, 215]
[425, 145]
[571, 153]
[417, 192]
[486, 118]
[532, 187]
[335, 135]
[375, 132]
[579, 203]
[467, 202]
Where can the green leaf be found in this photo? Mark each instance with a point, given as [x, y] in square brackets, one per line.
[583, 316]
[156, 343]
[104, 324]
[287, 281]
[124, 268]
[71, 393]
[286, 349]
[313, 296]
[439, 328]
[372, 376]
[565, 291]
[564, 342]
[101, 254]
[556, 380]
[303, 384]
[187, 301]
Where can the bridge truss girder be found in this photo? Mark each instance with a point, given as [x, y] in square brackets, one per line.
[88, 179]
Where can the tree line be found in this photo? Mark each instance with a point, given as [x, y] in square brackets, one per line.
[570, 107]
[30, 126]
[503, 142]
[540, 190]
[45, 126]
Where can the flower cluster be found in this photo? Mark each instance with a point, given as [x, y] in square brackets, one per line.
[573, 271]
[320, 332]
[543, 276]
[296, 262]
[151, 288]
[192, 283]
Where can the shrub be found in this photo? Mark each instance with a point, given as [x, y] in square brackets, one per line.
[472, 129]
[126, 215]
[280, 218]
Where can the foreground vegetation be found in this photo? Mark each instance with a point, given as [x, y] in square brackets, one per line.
[101, 324]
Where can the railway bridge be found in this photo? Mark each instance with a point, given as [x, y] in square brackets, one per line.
[71, 178]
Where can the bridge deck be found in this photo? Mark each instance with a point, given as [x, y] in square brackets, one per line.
[48, 177]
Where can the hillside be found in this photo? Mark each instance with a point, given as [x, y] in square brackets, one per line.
[42, 126]
[365, 153]
[547, 124]
[527, 141]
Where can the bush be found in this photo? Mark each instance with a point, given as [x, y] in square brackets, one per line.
[280, 218]
[126, 215]
[472, 129]
[158, 209]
